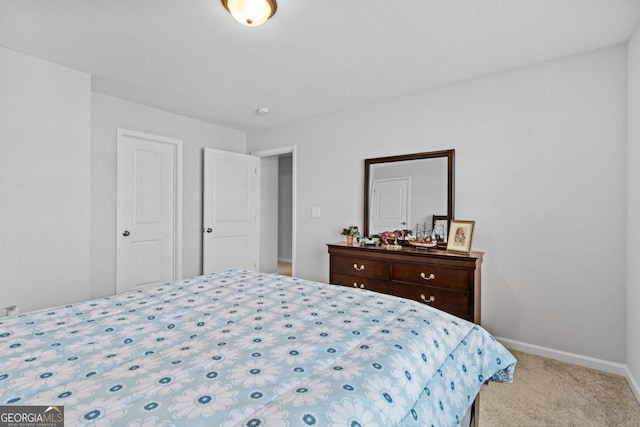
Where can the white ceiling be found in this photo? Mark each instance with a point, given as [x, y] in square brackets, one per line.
[313, 57]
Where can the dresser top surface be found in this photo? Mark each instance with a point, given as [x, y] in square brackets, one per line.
[408, 250]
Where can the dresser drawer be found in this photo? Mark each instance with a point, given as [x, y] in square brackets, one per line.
[375, 285]
[432, 275]
[453, 283]
[454, 302]
[360, 267]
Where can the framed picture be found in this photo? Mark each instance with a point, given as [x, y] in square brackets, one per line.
[440, 228]
[460, 236]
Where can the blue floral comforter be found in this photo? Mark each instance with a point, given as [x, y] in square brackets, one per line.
[239, 348]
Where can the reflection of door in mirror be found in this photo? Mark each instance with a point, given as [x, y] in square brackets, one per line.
[390, 204]
[429, 196]
[425, 197]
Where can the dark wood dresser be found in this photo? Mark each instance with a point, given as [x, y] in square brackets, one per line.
[447, 281]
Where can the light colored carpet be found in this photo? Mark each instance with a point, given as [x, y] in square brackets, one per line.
[284, 268]
[546, 392]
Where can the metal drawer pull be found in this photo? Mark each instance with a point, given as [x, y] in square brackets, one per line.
[358, 268]
[431, 298]
[430, 277]
[355, 285]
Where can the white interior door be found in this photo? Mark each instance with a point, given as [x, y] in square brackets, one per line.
[149, 207]
[390, 205]
[231, 200]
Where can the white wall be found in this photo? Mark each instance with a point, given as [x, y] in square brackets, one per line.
[633, 211]
[108, 114]
[44, 182]
[540, 165]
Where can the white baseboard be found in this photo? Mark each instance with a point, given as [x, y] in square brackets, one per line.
[621, 369]
[576, 359]
[563, 356]
[287, 260]
[633, 384]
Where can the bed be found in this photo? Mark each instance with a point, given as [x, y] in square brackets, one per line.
[240, 348]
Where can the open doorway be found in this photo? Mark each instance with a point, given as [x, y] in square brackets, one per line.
[278, 210]
[285, 213]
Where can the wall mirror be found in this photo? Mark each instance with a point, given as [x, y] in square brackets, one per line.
[409, 192]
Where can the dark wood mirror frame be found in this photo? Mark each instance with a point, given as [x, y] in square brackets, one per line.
[448, 154]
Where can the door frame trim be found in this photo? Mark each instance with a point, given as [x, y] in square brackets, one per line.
[177, 201]
[290, 149]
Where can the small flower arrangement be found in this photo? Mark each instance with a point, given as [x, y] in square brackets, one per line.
[351, 231]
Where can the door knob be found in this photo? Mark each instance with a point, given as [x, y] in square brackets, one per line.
[209, 230]
[126, 233]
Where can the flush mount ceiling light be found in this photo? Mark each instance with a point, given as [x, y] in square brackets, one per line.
[251, 12]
